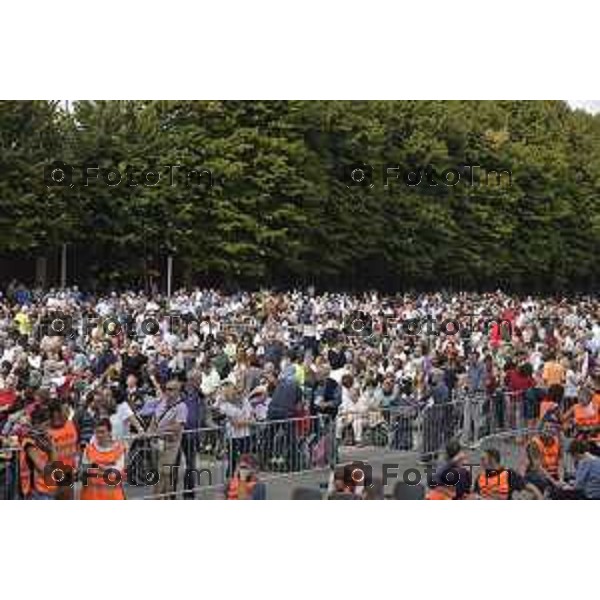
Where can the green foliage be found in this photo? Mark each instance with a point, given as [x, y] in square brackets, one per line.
[280, 210]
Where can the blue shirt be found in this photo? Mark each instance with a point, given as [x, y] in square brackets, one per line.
[192, 401]
[587, 477]
[476, 377]
[167, 414]
[441, 394]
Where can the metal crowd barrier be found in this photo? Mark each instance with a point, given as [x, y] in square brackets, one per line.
[397, 428]
[470, 417]
[199, 463]
[424, 430]
[203, 460]
[443, 422]
[512, 446]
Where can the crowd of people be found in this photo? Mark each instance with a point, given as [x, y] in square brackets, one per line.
[85, 379]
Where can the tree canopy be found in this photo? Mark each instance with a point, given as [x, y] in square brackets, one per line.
[280, 210]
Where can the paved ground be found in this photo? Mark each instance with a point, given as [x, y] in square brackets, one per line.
[280, 486]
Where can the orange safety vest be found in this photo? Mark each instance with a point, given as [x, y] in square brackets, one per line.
[550, 454]
[441, 492]
[240, 490]
[585, 416]
[29, 477]
[95, 487]
[65, 442]
[495, 486]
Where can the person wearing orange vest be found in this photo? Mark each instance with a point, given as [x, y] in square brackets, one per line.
[35, 457]
[65, 443]
[104, 465]
[495, 482]
[549, 448]
[596, 392]
[441, 492]
[244, 485]
[585, 417]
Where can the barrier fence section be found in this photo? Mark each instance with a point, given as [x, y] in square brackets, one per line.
[513, 448]
[420, 429]
[470, 417]
[201, 462]
[198, 463]
[402, 429]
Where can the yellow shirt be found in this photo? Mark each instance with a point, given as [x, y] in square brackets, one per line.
[23, 323]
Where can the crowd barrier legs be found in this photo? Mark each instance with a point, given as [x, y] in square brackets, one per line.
[208, 458]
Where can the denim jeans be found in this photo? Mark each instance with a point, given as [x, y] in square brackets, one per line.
[39, 496]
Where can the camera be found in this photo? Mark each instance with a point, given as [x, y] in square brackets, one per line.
[58, 174]
[358, 175]
[57, 474]
[358, 473]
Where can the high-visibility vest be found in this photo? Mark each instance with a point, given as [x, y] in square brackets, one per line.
[29, 477]
[65, 441]
[441, 492]
[550, 454]
[495, 486]
[95, 488]
[240, 490]
[585, 416]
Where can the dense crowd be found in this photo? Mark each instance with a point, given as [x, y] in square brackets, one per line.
[83, 377]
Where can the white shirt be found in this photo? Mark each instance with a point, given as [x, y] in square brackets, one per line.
[237, 412]
[120, 421]
[348, 405]
[210, 382]
[571, 383]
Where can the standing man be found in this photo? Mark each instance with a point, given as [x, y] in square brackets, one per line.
[190, 441]
[476, 386]
[168, 422]
[238, 413]
[553, 373]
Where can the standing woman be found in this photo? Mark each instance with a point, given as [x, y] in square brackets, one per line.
[104, 465]
[573, 380]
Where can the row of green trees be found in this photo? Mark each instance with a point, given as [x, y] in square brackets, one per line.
[281, 209]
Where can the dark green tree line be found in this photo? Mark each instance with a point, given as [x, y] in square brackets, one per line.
[280, 209]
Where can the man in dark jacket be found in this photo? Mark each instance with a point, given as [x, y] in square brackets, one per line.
[286, 397]
[190, 441]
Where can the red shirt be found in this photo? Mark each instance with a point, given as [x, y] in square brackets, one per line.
[8, 397]
[517, 382]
